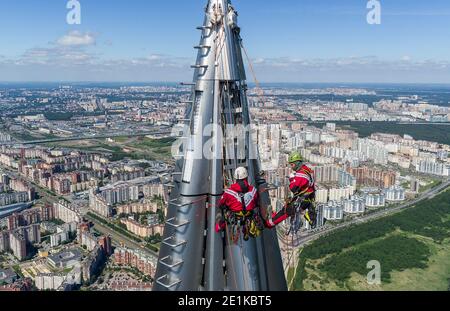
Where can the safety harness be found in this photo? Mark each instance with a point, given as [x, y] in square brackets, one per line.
[248, 222]
[300, 199]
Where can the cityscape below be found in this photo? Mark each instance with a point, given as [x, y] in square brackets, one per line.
[86, 170]
[221, 183]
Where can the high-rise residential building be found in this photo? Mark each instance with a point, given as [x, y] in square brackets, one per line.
[58, 238]
[326, 173]
[4, 241]
[338, 194]
[106, 245]
[61, 184]
[354, 205]
[67, 212]
[47, 212]
[433, 167]
[375, 200]
[18, 244]
[373, 149]
[51, 281]
[346, 179]
[395, 194]
[368, 176]
[333, 210]
[15, 197]
[88, 240]
[99, 204]
[32, 233]
[321, 195]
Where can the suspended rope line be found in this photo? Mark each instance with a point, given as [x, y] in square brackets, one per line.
[259, 90]
[220, 39]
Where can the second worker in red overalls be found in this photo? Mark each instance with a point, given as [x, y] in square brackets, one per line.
[302, 185]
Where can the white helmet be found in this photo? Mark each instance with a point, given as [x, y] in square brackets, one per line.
[240, 173]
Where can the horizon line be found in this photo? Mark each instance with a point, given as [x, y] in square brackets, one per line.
[178, 82]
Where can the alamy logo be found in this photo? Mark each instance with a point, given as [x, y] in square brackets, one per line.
[374, 14]
[74, 15]
[374, 275]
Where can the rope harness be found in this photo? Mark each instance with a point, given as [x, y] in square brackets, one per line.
[249, 223]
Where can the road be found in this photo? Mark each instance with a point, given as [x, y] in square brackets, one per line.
[379, 214]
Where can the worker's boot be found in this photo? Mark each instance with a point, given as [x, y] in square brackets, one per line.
[311, 217]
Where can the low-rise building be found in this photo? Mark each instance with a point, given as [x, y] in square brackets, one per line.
[141, 229]
[136, 259]
[65, 259]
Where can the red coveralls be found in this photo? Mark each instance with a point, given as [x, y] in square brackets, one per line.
[302, 182]
[233, 199]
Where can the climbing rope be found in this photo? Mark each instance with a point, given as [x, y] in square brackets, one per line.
[259, 90]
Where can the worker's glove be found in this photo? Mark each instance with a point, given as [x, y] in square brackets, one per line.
[220, 223]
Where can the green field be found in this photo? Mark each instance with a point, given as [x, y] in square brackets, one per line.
[124, 147]
[31, 136]
[432, 132]
[412, 247]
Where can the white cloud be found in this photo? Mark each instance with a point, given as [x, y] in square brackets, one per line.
[73, 52]
[352, 69]
[348, 62]
[76, 38]
[57, 56]
[155, 57]
[69, 50]
[406, 58]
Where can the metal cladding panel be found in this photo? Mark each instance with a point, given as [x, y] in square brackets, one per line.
[213, 275]
[228, 52]
[214, 270]
[273, 263]
[186, 246]
[242, 266]
[196, 170]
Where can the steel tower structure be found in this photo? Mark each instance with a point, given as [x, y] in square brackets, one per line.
[193, 256]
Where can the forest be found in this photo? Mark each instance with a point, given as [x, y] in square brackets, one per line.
[344, 254]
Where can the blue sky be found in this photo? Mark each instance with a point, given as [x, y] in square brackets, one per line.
[288, 40]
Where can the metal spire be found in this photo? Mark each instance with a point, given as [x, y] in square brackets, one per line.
[193, 256]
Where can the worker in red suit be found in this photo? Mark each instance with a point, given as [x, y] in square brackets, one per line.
[239, 206]
[302, 185]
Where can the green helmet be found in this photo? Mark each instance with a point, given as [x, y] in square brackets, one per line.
[295, 157]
